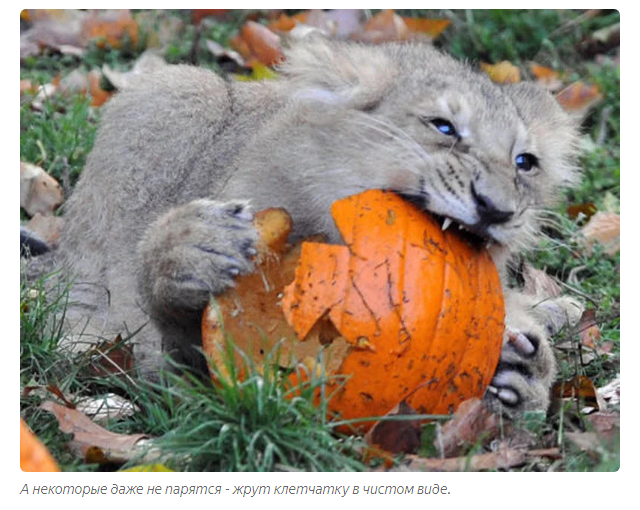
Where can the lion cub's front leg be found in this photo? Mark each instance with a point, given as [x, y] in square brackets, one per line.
[189, 253]
[193, 251]
[527, 365]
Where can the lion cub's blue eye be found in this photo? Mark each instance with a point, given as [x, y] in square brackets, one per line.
[444, 126]
[526, 161]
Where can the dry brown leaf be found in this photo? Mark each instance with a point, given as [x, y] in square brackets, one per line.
[396, 436]
[579, 388]
[70, 30]
[384, 26]
[39, 192]
[578, 97]
[502, 72]
[27, 86]
[430, 27]
[470, 423]
[546, 77]
[588, 329]
[110, 28]
[539, 283]
[197, 15]
[611, 391]
[111, 358]
[605, 424]
[586, 209]
[603, 228]
[256, 43]
[502, 459]
[48, 228]
[93, 442]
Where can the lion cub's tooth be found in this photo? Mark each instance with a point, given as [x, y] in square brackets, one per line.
[446, 223]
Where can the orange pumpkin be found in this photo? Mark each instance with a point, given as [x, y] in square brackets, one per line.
[421, 309]
[409, 312]
[34, 456]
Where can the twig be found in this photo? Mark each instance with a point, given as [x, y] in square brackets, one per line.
[602, 125]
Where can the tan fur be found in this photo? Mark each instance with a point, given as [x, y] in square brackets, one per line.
[159, 219]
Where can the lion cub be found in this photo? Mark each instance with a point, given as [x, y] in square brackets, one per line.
[161, 217]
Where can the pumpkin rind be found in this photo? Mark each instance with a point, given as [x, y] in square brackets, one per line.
[34, 456]
[421, 308]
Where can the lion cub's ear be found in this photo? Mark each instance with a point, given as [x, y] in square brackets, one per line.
[336, 73]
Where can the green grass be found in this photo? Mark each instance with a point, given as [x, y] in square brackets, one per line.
[251, 425]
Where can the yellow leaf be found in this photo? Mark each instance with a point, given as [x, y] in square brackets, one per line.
[502, 72]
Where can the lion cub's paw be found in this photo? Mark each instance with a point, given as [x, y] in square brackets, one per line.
[524, 374]
[195, 250]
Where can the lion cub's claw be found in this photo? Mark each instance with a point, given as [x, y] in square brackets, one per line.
[524, 374]
[196, 250]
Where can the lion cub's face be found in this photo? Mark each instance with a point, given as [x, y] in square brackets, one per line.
[486, 157]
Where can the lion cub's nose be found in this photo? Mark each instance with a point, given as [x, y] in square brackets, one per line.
[489, 212]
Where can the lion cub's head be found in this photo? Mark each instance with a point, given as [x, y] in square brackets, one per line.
[406, 117]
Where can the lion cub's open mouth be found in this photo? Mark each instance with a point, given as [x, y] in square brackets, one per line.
[473, 234]
[476, 235]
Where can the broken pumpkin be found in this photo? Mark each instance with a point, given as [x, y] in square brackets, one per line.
[412, 313]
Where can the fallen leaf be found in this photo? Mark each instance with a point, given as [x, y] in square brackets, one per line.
[285, 23]
[587, 441]
[539, 283]
[106, 408]
[586, 210]
[71, 30]
[502, 72]
[257, 43]
[197, 15]
[27, 86]
[384, 26]
[472, 422]
[611, 391]
[430, 27]
[396, 436]
[44, 93]
[579, 388]
[603, 228]
[110, 28]
[504, 458]
[93, 442]
[389, 26]
[47, 227]
[588, 329]
[605, 424]
[160, 28]
[111, 358]
[579, 97]
[546, 77]
[39, 192]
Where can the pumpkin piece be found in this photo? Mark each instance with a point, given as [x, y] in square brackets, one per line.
[421, 309]
[34, 456]
[250, 312]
